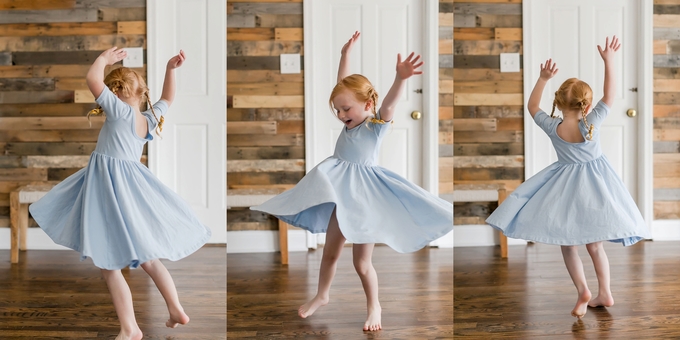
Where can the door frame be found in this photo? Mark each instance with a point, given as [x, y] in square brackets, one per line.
[430, 133]
[645, 186]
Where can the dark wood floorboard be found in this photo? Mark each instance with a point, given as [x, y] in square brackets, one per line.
[416, 294]
[530, 295]
[51, 294]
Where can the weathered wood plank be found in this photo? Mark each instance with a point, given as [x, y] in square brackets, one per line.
[45, 149]
[667, 170]
[256, 63]
[667, 147]
[446, 46]
[22, 71]
[121, 14]
[666, 122]
[264, 178]
[27, 97]
[666, 210]
[268, 8]
[267, 128]
[666, 134]
[486, 149]
[446, 151]
[476, 62]
[83, 96]
[666, 20]
[445, 138]
[464, 20]
[497, 86]
[510, 124]
[290, 126]
[468, 220]
[666, 33]
[666, 9]
[60, 174]
[446, 125]
[70, 43]
[49, 123]
[37, 4]
[5, 58]
[445, 19]
[469, 99]
[41, 110]
[111, 3]
[486, 47]
[23, 174]
[131, 27]
[446, 99]
[71, 84]
[506, 111]
[240, 20]
[660, 47]
[446, 61]
[488, 161]
[445, 7]
[666, 85]
[445, 113]
[260, 114]
[667, 73]
[507, 34]
[288, 34]
[266, 152]
[264, 140]
[666, 195]
[476, 33]
[266, 89]
[58, 29]
[477, 174]
[259, 76]
[471, 8]
[38, 16]
[666, 61]
[246, 34]
[489, 137]
[49, 135]
[241, 226]
[268, 101]
[472, 209]
[666, 111]
[666, 182]
[55, 57]
[475, 124]
[26, 84]
[278, 20]
[69, 161]
[666, 98]
[265, 165]
[498, 20]
[263, 48]
[476, 75]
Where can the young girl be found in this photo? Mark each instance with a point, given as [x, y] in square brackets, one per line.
[349, 197]
[115, 210]
[579, 199]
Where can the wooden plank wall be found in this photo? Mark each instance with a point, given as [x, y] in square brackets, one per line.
[666, 109]
[445, 97]
[488, 105]
[265, 109]
[46, 48]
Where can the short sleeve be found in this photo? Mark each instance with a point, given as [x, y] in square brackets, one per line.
[112, 105]
[545, 122]
[598, 114]
[160, 109]
[380, 129]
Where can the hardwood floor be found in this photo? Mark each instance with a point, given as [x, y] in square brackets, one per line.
[416, 294]
[51, 294]
[530, 295]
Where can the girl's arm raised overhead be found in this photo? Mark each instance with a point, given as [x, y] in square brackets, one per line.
[548, 71]
[405, 69]
[95, 75]
[343, 69]
[169, 83]
[607, 55]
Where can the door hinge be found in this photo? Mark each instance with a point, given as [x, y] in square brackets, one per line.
[634, 89]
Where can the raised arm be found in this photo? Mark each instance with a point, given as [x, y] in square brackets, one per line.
[95, 75]
[169, 83]
[548, 71]
[405, 70]
[607, 55]
[343, 69]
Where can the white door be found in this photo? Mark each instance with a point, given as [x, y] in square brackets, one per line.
[191, 157]
[387, 27]
[569, 32]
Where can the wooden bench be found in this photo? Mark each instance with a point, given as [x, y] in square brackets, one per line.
[483, 193]
[246, 198]
[19, 199]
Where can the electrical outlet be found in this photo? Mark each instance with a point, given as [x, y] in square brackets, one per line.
[134, 58]
[509, 62]
[290, 63]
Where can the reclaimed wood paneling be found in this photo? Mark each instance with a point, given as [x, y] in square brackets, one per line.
[46, 49]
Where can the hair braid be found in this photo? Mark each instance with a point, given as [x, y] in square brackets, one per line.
[552, 113]
[159, 128]
[585, 121]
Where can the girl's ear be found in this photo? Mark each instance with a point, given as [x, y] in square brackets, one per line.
[368, 105]
[588, 108]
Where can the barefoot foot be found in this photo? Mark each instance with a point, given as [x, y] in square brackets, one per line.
[177, 318]
[602, 301]
[134, 335]
[310, 307]
[373, 320]
[581, 304]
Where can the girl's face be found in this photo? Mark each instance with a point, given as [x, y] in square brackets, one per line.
[349, 110]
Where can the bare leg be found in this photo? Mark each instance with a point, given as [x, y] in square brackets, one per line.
[601, 263]
[122, 302]
[575, 268]
[161, 277]
[362, 254]
[331, 252]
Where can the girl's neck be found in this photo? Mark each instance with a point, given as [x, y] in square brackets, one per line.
[571, 115]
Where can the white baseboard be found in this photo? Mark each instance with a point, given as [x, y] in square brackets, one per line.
[666, 230]
[445, 241]
[478, 235]
[35, 239]
[264, 241]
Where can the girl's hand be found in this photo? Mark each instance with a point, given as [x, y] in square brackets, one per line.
[607, 53]
[348, 46]
[113, 55]
[177, 60]
[408, 67]
[549, 70]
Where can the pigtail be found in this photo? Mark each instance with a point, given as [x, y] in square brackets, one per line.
[552, 113]
[159, 129]
[585, 121]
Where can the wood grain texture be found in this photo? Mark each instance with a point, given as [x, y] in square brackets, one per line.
[71, 43]
[58, 29]
[41, 110]
[121, 14]
[58, 15]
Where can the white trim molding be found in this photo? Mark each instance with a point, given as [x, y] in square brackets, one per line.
[263, 241]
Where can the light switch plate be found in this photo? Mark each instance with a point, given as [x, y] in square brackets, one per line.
[509, 62]
[135, 57]
[290, 63]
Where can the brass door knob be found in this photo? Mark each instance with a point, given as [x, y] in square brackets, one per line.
[416, 115]
[631, 113]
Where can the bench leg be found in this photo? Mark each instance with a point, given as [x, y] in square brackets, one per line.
[283, 241]
[23, 226]
[14, 226]
[502, 195]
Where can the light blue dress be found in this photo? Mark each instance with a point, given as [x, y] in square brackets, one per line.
[115, 210]
[577, 200]
[374, 205]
